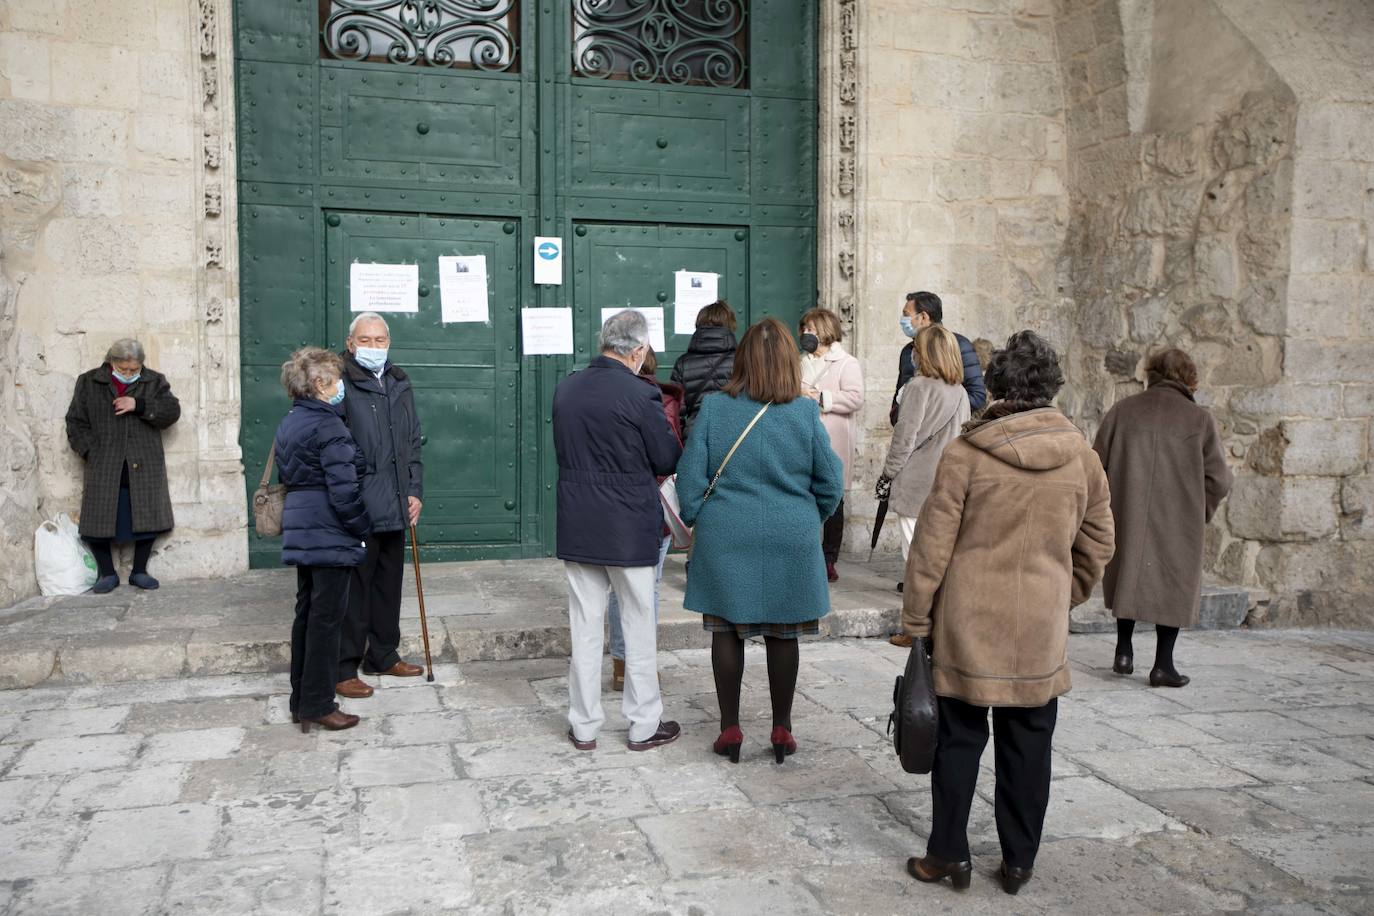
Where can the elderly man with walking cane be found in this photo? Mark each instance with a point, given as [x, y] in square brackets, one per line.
[613, 442]
[380, 410]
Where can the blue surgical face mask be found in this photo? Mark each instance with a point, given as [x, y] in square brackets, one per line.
[370, 358]
[908, 326]
[126, 379]
[338, 397]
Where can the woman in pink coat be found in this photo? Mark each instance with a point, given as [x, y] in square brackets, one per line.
[832, 378]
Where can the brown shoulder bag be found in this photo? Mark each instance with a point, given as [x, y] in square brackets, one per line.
[269, 501]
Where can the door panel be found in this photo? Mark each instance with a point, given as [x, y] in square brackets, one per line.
[621, 265]
[466, 376]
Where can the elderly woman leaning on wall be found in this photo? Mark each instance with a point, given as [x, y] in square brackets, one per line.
[115, 423]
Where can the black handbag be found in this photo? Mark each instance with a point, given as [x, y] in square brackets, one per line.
[915, 714]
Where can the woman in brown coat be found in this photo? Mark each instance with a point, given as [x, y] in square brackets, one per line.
[1163, 457]
[1016, 530]
[115, 423]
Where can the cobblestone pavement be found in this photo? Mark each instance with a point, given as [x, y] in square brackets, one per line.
[1250, 791]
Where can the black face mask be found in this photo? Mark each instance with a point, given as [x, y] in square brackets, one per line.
[809, 343]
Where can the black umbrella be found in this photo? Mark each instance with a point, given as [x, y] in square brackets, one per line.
[877, 527]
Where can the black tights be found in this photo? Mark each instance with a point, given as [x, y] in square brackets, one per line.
[104, 558]
[727, 663]
[1165, 637]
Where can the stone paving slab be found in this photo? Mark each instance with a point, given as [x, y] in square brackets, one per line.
[488, 610]
[463, 796]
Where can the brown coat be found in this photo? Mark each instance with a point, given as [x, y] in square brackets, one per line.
[107, 442]
[932, 414]
[1163, 457]
[1016, 530]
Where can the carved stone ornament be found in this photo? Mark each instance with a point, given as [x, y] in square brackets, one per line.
[847, 264]
[214, 247]
[849, 76]
[846, 181]
[214, 198]
[210, 140]
[848, 124]
[209, 33]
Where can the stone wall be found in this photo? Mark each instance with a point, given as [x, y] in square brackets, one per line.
[1219, 172]
[960, 169]
[116, 201]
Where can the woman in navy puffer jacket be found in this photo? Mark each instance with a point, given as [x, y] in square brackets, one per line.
[323, 527]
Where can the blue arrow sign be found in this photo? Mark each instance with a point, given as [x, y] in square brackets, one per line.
[548, 251]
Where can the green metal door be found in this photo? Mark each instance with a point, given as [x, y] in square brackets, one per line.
[650, 135]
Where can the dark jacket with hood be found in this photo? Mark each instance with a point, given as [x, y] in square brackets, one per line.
[381, 416]
[704, 368]
[109, 444]
[325, 522]
[613, 442]
[1168, 473]
[1017, 529]
[973, 375]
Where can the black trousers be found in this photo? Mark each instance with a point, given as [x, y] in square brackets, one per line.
[321, 603]
[372, 630]
[832, 533]
[1022, 739]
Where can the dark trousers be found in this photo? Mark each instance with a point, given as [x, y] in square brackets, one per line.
[372, 629]
[1022, 739]
[321, 603]
[832, 534]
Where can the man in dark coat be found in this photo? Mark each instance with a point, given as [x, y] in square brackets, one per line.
[115, 423]
[380, 411]
[921, 310]
[613, 442]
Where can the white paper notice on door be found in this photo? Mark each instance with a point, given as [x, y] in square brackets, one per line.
[383, 287]
[463, 289]
[657, 337]
[546, 332]
[694, 291]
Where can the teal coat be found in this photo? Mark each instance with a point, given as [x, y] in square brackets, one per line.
[757, 553]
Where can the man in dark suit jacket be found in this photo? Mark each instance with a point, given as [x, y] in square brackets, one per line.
[380, 411]
[921, 310]
[613, 441]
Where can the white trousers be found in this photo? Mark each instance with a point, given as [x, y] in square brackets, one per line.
[642, 703]
[908, 524]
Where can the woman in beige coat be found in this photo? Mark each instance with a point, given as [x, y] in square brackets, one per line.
[1016, 530]
[1163, 457]
[832, 378]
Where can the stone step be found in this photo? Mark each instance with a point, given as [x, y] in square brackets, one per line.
[1223, 608]
[482, 611]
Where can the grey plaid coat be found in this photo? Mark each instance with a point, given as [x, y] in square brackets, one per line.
[106, 442]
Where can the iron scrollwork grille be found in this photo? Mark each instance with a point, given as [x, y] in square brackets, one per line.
[682, 42]
[468, 34]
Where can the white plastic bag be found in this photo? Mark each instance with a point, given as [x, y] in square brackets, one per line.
[63, 563]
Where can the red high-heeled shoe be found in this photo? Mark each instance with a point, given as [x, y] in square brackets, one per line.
[729, 742]
[784, 745]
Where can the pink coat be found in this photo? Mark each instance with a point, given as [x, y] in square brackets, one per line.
[841, 383]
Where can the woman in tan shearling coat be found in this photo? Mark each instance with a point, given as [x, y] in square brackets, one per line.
[1163, 456]
[1016, 530]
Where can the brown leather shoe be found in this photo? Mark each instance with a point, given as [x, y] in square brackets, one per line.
[401, 669]
[353, 689]
[617, 673]
[334, 722]
[900, 639]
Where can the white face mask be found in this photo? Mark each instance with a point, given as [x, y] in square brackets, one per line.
[370, 358]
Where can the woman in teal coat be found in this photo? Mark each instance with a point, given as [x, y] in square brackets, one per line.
[757, 568]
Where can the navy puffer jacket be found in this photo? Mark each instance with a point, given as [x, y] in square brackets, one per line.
[613, 442]
[704, 368]
[325, 522]
[973, 375]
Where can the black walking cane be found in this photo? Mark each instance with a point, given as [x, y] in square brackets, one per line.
[420, 591]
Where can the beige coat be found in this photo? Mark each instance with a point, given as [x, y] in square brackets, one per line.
[1016, 530]
[841, 383]
[932, 413]
[1168, 473]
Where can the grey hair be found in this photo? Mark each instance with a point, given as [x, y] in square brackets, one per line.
[623, 332]
[367, 316]
[125, 348]
[307, 366]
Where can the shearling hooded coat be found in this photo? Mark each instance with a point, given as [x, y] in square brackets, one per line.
[1164, 459]
[1017, 529]
[107, 443]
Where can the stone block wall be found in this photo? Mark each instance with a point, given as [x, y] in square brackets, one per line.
[961, 163]
[115, 203]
